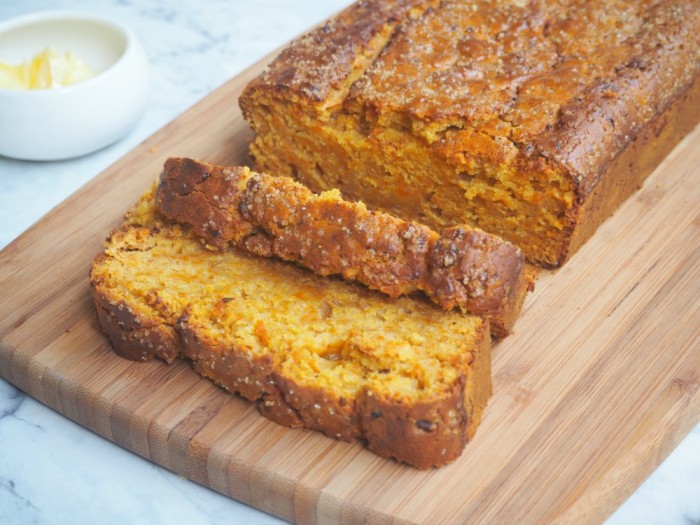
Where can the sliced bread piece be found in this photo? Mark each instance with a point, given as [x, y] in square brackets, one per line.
[400, 375]
[271, 216]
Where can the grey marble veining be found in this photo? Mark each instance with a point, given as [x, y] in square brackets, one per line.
[53, 471]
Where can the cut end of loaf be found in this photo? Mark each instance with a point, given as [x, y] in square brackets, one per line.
[498, 188]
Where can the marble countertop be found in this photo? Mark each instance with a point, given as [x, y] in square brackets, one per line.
[53, 471]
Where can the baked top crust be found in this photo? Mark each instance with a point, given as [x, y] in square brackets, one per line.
[573, 81]
[320, 62]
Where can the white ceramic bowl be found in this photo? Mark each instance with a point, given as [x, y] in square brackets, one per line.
[60, 123]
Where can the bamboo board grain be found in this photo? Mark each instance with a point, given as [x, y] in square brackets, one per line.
[598, 384]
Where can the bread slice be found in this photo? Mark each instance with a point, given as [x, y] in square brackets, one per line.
[532, 120]
[402, 376]
[276, 216]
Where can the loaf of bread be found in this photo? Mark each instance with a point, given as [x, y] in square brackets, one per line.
[531, 119]
[276, 216]
[402, 376]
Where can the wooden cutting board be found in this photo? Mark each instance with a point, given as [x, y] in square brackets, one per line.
[598, 384]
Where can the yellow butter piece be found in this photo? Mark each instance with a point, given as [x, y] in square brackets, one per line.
[48, 69]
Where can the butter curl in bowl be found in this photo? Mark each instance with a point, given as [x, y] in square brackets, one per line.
[70, 83]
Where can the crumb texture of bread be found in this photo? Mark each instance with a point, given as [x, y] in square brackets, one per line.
[276, 216]
[402, 376]
[530, 119]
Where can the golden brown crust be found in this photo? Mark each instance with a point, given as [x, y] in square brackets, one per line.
[275, 216]
[632, 166]
[320, 62]
[564, 87]
[652, 64]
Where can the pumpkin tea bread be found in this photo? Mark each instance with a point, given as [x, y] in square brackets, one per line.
[276, 216]
[532, 119]
[402, 376]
